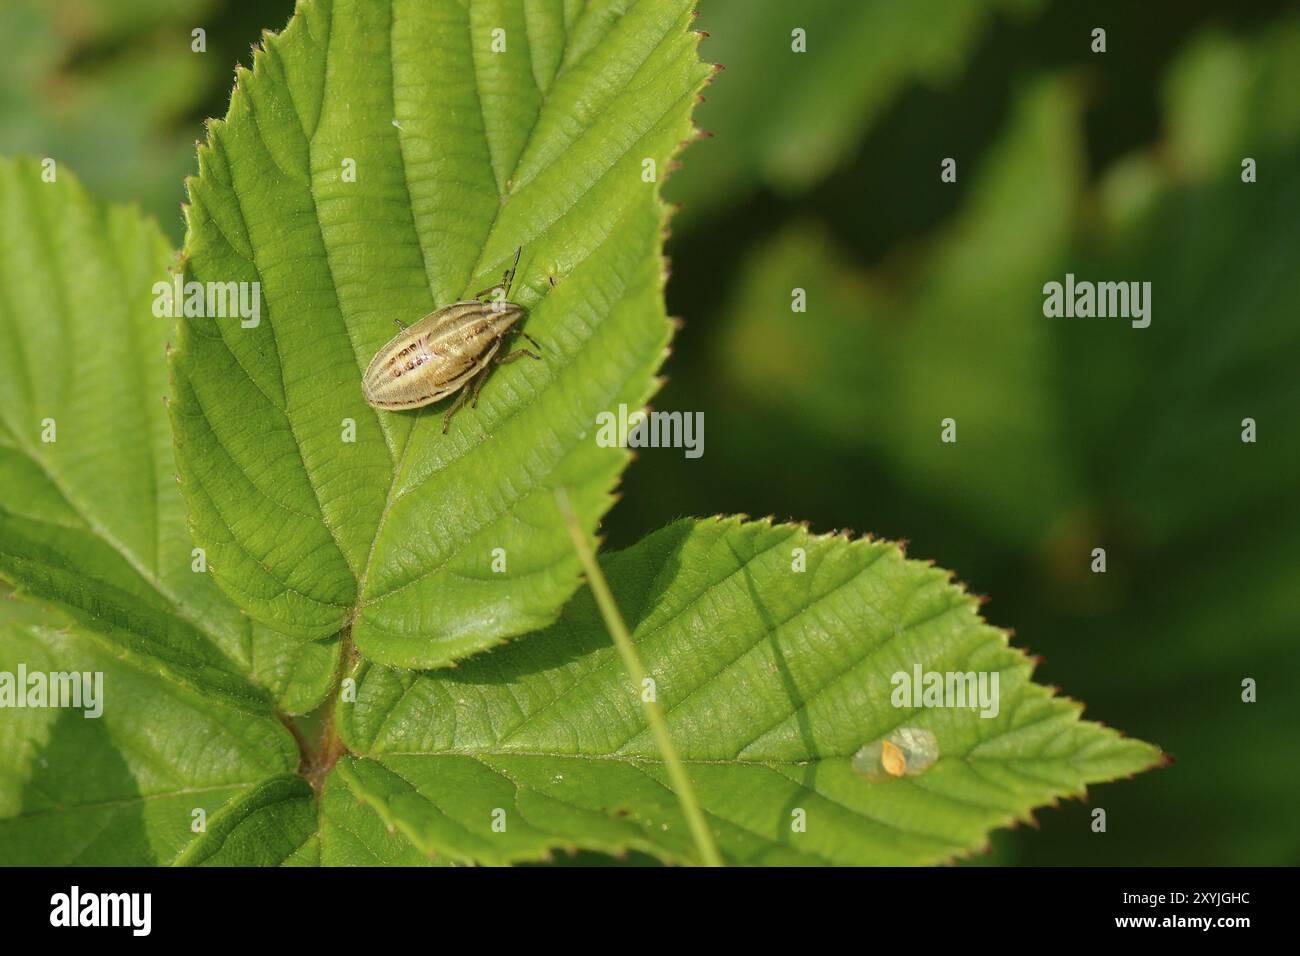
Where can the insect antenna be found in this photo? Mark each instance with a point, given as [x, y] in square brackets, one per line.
[510, 274]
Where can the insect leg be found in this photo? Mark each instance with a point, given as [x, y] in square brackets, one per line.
[510, 273]
[470, 391]
[477, 384]
[530, 339]
[400, 324]
[446, 416]
[517, 353]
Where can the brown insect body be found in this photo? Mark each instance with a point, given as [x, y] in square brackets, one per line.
[456, 342]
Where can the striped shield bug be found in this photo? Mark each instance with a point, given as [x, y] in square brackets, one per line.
[450, 350]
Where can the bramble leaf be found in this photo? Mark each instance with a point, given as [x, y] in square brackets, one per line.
[472, 131]
[121, 787]
[90, 516]
[771, 679]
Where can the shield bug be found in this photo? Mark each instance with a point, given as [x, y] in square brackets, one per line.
[452, 349]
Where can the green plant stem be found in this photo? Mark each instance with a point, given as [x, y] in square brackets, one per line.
[317, 761]
[682, 786]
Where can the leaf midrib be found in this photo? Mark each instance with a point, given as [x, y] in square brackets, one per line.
[394, 490]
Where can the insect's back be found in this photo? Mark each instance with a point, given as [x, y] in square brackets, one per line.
[438, 354]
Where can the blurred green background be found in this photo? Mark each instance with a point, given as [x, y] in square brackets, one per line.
[924, 302]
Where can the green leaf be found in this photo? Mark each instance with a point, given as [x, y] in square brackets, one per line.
[771, 679]
[91, 519]
[784, 120]
[121, 788]
[272, 824]
[462, 156]
[352, 834]
[1144, 424]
